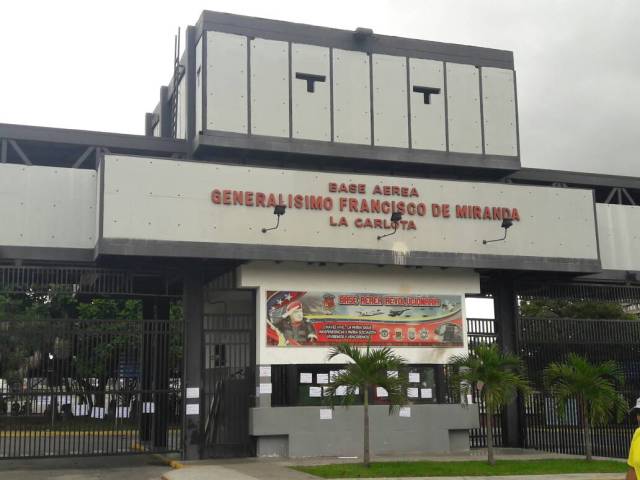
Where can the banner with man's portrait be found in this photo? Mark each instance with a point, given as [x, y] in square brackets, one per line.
[331, 318]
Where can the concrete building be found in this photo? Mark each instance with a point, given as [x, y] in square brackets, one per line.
[343, 129]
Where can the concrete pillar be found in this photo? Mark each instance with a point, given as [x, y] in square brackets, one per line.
[506, 312]
[190, 78]
[193, 312]
[165, 113]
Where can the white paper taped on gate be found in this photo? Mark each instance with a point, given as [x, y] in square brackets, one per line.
[412, 392]
[426, 393]
[148, 407]
[414, 377]
[326, 414]
[405, 412]
[193, 409]
[122, 412]
[79, 410]
[306, 378]
[265, 388]
[97, 412]
[392, 373]
[265, 371]
[381, 392]
[323, 378]
[341, 390]
[315, 391]
[193, 392]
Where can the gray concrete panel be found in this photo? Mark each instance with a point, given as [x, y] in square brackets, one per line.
[428, 430]
[340, 255]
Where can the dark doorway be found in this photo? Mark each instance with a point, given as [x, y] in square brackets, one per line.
[229, 372]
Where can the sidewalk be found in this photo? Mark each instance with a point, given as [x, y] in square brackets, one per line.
[277, 468]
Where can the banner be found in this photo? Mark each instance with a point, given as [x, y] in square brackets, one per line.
[331, 318]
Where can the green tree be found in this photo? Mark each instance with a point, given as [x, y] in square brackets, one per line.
[546, 308]
[496, 376]
[367, 368]
[594, 388]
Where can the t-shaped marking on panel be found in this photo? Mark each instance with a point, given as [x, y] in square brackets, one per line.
[311, 79]
[427, 92]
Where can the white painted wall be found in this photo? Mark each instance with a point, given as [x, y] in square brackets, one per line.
[351, 97]
[47, 207]
[499, 111]
[311, 111]
[361, 86]
[227, 82]
[463, 101]
[619, 236]
[390, 103]
[427, 120]
[199, 84]
[181, 120]
[153, 199]
[269, 88]
[350, 278]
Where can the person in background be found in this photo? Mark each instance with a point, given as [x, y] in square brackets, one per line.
[633, 473]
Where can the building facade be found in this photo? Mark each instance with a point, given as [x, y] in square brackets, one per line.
[299, 187]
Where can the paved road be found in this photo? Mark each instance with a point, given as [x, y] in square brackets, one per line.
[137, 467]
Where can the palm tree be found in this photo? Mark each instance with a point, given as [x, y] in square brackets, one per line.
[367, 368]
[594, 388]
[496, 376]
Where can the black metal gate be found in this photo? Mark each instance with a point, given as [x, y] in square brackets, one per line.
[482, 331]
[545, 340]
[229, 384]
[88, 366]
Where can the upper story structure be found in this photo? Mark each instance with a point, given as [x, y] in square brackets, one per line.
[356, 123]
[272, 86]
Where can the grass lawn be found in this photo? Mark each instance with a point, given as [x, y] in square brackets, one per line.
[466, 468]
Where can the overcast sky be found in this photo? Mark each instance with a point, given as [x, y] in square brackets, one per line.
[98, 65]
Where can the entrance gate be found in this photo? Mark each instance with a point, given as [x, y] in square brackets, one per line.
[90, 362]
[541, 341]
[545, 340]
[229, 384]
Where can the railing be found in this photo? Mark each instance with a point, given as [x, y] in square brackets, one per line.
[89, 387]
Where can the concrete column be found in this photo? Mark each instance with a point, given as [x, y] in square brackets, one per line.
[161, 373]
[165, 113]
[506, 312]
[193, 312]
[148, 124]
[147, 371]
[190, 90]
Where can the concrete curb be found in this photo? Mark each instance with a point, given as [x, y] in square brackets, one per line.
[175, 464]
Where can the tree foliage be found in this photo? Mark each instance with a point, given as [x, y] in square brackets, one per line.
[496, 376]
[545, 308]
[367, 368]
[594, 386]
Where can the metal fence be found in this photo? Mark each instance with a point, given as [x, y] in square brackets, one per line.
[88, 387]
[229, 384]
[482, 331]
[546, 340]
[541, 341]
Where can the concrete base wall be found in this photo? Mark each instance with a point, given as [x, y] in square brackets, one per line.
[430, 429]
